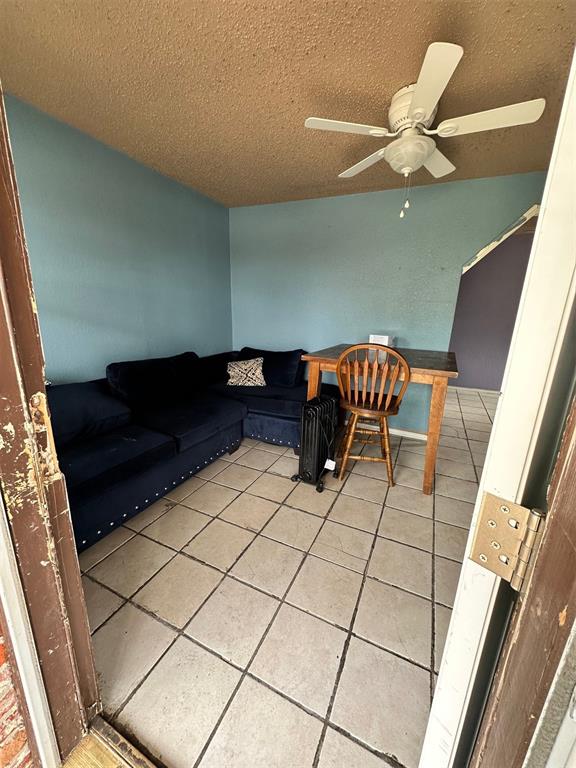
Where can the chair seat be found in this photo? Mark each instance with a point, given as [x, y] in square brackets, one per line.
[371, 413]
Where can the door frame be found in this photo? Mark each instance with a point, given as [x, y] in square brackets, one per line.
[540, 627]
[541, 324]
[35, 505]
[22, 653]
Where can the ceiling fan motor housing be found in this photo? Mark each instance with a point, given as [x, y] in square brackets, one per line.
[409, 152]
[398, 113]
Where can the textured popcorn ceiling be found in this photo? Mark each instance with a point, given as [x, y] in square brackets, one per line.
[214, 93]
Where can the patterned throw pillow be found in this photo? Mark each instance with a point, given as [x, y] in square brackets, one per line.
[246, 373]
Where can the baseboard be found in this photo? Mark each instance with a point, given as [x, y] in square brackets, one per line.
[399, 432]
[406, 433]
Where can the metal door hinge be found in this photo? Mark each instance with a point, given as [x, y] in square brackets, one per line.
[505, 538]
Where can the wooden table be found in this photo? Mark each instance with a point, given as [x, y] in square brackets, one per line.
[427, 367]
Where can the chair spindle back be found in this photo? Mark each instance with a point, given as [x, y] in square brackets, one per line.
[368, 374]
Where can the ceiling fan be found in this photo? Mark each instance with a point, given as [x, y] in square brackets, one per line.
[412, 112]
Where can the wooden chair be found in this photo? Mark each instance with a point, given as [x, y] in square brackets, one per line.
[372, 381]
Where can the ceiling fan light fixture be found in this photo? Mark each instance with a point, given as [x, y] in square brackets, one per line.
[409, 153]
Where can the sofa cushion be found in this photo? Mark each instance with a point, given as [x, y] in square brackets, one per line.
[84, 410]
[278, 401]
[146, 381]
[92, 464]
[196, 420]
[281, 369]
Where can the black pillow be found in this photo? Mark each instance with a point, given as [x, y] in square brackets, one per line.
[84, 409]
[281, 369]
[213, 368]
[142, 382]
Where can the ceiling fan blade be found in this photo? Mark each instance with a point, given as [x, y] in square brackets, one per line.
[362, 165]
[437, 68]
[322, 124]
[438, 164]
[502, 117]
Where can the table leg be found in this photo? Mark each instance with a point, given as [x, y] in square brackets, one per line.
[314, 380]
[439, 387]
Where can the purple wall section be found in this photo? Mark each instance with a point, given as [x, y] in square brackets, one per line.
[485, 313]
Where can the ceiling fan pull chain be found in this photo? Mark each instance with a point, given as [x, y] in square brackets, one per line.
[407, 181]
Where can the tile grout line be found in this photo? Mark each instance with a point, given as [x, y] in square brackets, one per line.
[260, 532]
[283, 600]
[228, 573]
[477, 474]
[176, 552]
[260, 643]
[179, 632]
[347, 642]
[142, 533]
[162, 514]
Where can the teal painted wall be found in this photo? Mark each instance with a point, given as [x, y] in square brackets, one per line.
[126, 263]
[129, 264]
[320, 272]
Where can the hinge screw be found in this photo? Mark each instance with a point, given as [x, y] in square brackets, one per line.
[492, 523]
[504, 509]
[483, 558]
[495, 545]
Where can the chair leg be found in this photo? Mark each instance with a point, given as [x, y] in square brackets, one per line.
[348, 443]
[342, 442]
[382, 424]
[388, 456]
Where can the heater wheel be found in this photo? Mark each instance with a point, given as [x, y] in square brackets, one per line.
[320, 486]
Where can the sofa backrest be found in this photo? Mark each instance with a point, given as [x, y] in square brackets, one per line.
[141, 382]
[213, 369]
[83, 410]
[280, 369]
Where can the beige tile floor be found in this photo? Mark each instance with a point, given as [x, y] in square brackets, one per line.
[250, 621]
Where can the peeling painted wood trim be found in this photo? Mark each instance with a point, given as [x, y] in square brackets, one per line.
[27, 665]
[33, 490]
[530, 213]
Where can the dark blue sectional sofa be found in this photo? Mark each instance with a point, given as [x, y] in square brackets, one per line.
[126, 440]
